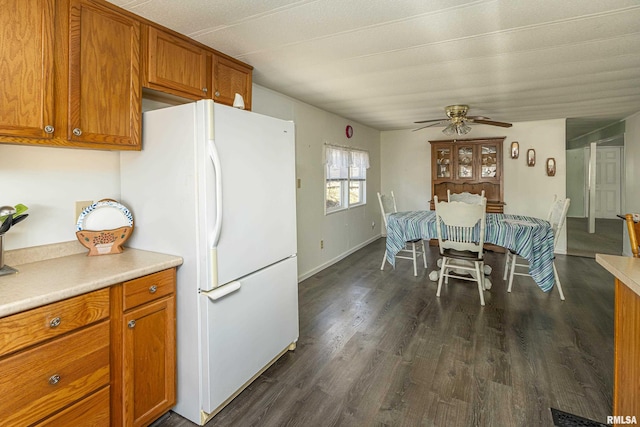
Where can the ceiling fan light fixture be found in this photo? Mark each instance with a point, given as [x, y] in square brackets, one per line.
[458, 128]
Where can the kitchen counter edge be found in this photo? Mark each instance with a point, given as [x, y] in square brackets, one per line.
[626, 269]
[51, 280]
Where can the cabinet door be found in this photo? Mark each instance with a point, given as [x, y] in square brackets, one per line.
[229, 78]
[489, 161]
[443, 161]
[465, 162]
[104, 76]
[149, 361]
[174, 65]
[26, 67]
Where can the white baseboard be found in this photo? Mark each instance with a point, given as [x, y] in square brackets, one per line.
[336, 259]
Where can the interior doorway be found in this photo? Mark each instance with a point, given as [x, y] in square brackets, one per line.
[592, 222]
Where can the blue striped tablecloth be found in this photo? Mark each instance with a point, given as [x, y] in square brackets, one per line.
[531, 238]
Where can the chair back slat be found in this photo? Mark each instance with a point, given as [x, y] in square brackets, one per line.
[461, 226]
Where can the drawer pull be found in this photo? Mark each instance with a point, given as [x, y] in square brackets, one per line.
[131, 324]
[153, 289]
[54, 379]
[55, 322]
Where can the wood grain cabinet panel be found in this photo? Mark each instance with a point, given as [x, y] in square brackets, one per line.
[626, 372]
[54, 375]
[27, 68]
[93, 411]
[105, 98]
[143, 349]
[231, 77]
[31, 327]
[174, 65]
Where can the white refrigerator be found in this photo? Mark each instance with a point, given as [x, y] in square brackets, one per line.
[216, 185]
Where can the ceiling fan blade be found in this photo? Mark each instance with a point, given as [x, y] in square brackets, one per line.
[432, 120]
[441, 122]
[478, 118]
[491, 122]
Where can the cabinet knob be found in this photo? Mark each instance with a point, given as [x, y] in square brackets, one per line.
[153, 289]
[205, 90]
[54, 379]
[131, 324]
[49, 129]
[77, 132]
[55, 322]
[217, 93]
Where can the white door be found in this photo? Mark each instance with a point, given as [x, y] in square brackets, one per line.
[607, 203]
[257, 171]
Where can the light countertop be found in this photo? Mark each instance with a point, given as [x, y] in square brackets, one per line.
[45, 281]
[626, 269]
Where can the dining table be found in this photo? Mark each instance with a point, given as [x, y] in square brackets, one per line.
[529, 237]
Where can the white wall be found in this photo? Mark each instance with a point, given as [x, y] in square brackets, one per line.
[342, 232]
[632, 163]
[577, 182]
[49, 181]
[528, 190]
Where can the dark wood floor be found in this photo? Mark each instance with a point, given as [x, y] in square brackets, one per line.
[378, 348]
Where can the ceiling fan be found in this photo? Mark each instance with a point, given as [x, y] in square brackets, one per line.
[458, 119]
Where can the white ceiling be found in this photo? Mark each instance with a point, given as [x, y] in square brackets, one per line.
[389, 63]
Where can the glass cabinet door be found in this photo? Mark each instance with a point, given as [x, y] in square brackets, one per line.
[465, 162]
[443, 162]
[489, 161]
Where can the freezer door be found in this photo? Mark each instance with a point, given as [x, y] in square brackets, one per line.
[246, 329]
[257, 181]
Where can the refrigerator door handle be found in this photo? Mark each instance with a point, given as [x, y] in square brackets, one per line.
[215, 160]
[223, 291]
[217, 227]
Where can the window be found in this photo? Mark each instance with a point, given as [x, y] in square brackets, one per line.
[346, 178]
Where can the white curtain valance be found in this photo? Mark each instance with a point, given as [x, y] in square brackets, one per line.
[342, 157]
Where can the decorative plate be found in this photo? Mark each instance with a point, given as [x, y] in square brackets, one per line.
[104, 215]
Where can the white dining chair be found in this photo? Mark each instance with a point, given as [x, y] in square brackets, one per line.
[465, 196]
[556, 217]
[388, 206]
[458, 248]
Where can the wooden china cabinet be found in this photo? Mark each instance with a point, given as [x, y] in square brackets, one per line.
[470, 165]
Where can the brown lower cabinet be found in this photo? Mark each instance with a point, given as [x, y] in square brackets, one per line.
[143, 349]
[103, 358]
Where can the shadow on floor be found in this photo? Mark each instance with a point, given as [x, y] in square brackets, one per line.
[606, 240]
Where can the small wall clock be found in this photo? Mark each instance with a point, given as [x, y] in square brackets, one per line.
[349, 131]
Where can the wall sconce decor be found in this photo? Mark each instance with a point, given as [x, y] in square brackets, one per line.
[515, 150]
[531, 157]
[551, 166]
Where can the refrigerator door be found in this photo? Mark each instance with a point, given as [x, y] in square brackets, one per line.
[255, 197]
[246, 329]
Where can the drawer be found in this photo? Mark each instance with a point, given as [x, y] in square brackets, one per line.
[44, 379]
[148, 288]
[92, 411]
[30, 327]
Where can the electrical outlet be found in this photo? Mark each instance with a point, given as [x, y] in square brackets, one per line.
[321, 244]
[80, 205]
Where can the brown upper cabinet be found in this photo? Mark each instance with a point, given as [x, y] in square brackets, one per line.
[105, 98]
[73, 72]
[468, 165]
[73, 77]
[26, 55]
[174, 65]
[231, 77]
[177, 65]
